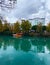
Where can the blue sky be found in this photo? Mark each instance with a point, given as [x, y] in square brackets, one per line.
[28, 9]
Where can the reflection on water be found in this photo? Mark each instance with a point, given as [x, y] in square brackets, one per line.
[40, 45]
[24, 51]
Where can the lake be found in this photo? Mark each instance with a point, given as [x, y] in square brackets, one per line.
[24, 51]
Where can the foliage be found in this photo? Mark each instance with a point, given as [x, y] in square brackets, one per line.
[44, 28]
[25, 25]
[34, 27]
[1, 26]
[48, 27]
[39, 28]
[5, 27]
[16, 27]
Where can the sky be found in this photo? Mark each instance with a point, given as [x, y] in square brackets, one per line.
[28, 9]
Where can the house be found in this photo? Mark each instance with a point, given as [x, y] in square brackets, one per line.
[36, 21]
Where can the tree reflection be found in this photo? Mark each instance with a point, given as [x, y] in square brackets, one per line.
[25, 45]
[38, 41]
[39, 44]
[1, 42]
[48, 47]
[40, 48]
[5, 43]
[16, 43]
[48, 44]
[4, 47]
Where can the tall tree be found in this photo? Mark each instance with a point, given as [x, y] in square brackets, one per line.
[34, 27]
[44, 28]
[1, 26]
[16, 27]
[48, 27]
[5, 27]
[25, 25]
[39, 28]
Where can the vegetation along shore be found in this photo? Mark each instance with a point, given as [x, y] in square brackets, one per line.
[24, 29]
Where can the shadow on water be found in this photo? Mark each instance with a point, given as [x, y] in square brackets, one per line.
[24, 51]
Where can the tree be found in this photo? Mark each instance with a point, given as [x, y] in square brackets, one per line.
[5, 27]
[44, 28]
[16, 27]
[48, 27]
[39, 28]
[9, 27]
[26, 26]
[34, 27]
[1, 26]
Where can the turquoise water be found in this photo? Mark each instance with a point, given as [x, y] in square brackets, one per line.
[24, 51]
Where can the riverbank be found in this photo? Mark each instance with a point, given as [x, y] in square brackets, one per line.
[40, 34]
[32, 34]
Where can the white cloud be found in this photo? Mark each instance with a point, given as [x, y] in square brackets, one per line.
[48, 4]
[24, 8]
[28, 9]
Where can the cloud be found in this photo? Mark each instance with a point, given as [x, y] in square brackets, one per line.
[28, 9]
[25, 8]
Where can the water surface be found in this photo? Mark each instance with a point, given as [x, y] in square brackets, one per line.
[24, 51]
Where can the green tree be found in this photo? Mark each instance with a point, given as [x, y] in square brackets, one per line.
[34, 27]
[1, 26]
[5, 27]
[39, 28]
[48, 27]
[44, 28]
[25, 25]
[9, 27]
[16, 27]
